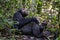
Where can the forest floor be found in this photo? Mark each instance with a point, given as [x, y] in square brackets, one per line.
[7, 36]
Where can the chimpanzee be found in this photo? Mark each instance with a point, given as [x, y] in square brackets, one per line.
[27, 25]
[19, 17]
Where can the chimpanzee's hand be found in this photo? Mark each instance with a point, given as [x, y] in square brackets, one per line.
[35, 20]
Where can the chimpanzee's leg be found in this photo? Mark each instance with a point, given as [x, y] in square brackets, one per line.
[31, 29]
[26, 29]
[36, 30]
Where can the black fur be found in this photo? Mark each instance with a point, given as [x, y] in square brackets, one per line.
[28, 26]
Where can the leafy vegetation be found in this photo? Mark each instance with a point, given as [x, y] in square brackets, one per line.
[42, 9]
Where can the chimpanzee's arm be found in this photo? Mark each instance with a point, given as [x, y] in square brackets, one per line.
[25, 21]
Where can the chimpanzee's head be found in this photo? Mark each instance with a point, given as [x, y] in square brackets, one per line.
[24, 12]
[45, 22]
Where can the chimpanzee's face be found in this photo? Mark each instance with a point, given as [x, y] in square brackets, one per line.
[24, 12]
[45, 22]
